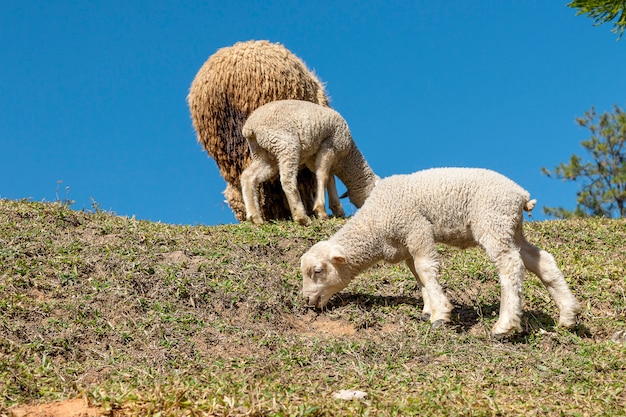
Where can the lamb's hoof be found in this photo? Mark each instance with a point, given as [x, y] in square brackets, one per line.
[568, 325]
[339, 213]
[322, 215]
[304, 221]
[567, 322]
[425, 317]
[255, 220]
[438, 323]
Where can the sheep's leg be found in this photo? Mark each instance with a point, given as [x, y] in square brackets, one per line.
[508, 261]
[258, 172]
[436, 304]
[542, 264]
[425, 265]
[333, 198]
[323, 164]
[427, 310]
[288, 169]
[319, 207]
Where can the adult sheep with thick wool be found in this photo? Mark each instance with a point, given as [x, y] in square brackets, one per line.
[406, 215]
[287, 134]
[232, 83]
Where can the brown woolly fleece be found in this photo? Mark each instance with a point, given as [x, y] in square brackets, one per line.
[232, 83]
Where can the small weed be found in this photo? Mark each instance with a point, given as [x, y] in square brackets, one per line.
[66, 201]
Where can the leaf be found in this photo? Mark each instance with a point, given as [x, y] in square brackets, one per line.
[604, 176]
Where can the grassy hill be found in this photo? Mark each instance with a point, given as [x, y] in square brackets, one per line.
[142, 317]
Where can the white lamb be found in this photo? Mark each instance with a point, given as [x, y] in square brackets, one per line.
[286, 134]
[405, 216]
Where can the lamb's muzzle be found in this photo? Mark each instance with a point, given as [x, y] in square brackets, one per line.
[314, 301]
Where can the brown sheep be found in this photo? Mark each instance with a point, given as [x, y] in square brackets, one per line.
[232, 83]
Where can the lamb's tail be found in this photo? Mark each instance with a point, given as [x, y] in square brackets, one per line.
[530, 205]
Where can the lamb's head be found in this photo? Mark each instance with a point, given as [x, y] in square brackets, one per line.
[325, 271]
[359, 191]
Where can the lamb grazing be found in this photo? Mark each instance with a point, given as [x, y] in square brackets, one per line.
[233, 82]
[287, 134]
[405, 216]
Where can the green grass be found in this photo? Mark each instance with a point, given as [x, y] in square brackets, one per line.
[145, 318]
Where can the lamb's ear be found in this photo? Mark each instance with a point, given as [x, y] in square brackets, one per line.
[339, 259]
[337, 256]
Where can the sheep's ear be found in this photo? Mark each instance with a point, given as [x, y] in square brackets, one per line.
[337, 256]
[339, 259]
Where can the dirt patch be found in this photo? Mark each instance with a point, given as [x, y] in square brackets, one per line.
[179, 257]
[77, 407]
[291, 251]
[314, 325]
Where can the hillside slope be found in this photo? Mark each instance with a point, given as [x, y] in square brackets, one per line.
[140, 317]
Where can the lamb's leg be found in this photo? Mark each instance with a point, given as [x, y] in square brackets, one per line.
[542, 264]
[427, 310]
[323, 164]
[511, 271]
[333, 198]
[319, 207]
[425, 266]
[288, 168]
[435, 302]
[258, 172]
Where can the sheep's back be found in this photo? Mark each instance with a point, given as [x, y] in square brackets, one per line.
[294, 123]
[453, 200]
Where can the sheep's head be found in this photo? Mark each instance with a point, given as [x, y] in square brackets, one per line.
[358, 194]
[325, 271]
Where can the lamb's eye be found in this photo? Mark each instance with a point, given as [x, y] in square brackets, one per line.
[318, 270]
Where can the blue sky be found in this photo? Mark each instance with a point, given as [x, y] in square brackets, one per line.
[93, 94]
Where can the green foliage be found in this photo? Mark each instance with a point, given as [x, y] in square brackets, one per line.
[603, 11]
[604, 189]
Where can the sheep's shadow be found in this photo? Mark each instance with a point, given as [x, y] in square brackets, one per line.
[367, 302]
[464, 317]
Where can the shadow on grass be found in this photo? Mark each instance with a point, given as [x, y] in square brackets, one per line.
[367, 302]
[464, 317]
